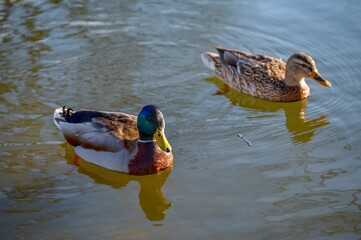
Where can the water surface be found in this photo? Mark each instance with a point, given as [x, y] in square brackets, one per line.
[300, 179]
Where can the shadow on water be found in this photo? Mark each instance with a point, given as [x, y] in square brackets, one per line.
[300, 128]
[151, 198]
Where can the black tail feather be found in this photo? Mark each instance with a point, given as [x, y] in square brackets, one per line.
[227, 58]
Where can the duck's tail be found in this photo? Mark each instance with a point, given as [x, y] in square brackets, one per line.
[224, 57]
[60, 115]
[209, 59]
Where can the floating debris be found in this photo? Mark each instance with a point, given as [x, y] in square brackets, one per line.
[248, 142]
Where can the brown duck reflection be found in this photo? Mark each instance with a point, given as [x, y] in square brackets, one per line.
[151, 198]
[300, 128]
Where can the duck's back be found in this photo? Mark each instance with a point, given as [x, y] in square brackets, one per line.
[253, 74]
[255, 66]
[107, 139]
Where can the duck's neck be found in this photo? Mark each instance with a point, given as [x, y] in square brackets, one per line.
[151, 140]
[293, 79]
[143, 161]
[146, 149]
[143, 137]
[297, 86]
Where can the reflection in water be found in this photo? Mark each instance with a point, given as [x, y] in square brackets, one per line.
[151, 198]
[301, 129]
[27, 30]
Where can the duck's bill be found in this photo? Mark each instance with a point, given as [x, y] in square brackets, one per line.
[162, 140]
[319, 79]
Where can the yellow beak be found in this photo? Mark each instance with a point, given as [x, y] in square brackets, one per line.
[320, 80]
[162, 140]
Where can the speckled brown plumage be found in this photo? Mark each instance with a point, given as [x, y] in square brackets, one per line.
[263, 76]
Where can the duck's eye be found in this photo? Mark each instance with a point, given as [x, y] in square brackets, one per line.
[148, 118]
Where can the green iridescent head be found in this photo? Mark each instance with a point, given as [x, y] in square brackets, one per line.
[151, 126]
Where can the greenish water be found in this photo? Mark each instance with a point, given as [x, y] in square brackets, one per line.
[300, 179]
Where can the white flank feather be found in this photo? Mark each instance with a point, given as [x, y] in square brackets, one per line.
[58, 116]
[116, 161]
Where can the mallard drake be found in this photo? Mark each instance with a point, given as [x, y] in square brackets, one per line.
[118, 141]
[265, 77]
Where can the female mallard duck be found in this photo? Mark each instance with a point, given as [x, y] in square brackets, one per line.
[118, 141]
[263, 76]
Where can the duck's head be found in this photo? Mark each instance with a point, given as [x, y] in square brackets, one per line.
[300, 66]
[151, 126]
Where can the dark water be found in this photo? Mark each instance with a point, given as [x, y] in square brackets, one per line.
[300, 179]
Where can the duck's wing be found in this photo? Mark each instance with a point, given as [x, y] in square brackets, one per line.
[253, 64]
[95, 130]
